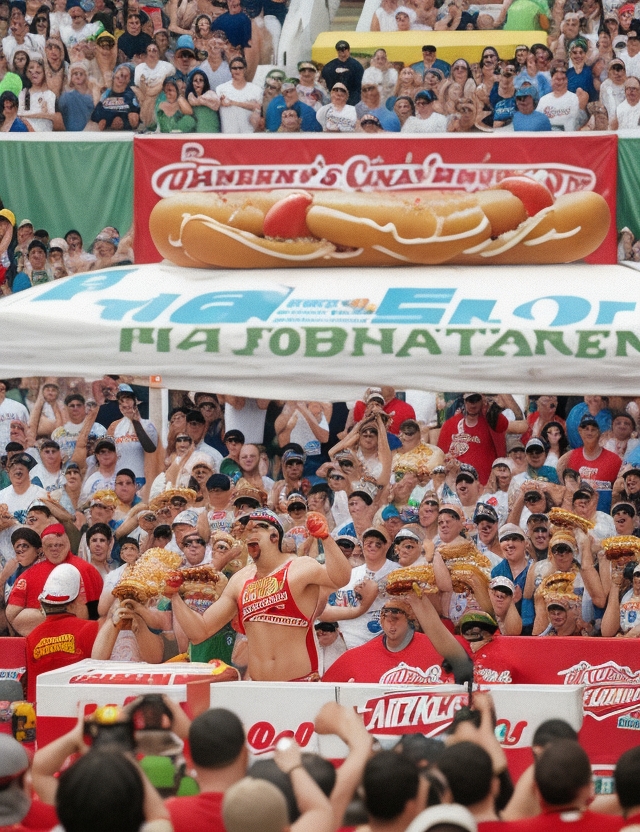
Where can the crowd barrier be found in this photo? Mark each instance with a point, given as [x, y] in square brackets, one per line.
[592, 683]
[273, 710]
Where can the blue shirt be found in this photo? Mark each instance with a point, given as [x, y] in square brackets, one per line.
[603, 418]
[310, 123]
[388, 121]
[443, 66]
[535, 122]
[524, 605]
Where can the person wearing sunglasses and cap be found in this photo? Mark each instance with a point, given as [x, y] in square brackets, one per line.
[346, 70]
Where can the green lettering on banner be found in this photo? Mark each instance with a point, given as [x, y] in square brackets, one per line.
[554, 338]
[589, 345]
[254, 336]
[145, 335]
[465, 338]
[510, 338]
[624, 339]
[285, 341]
[362, 337]
[207, 338]
[419, 339]
[323, 342]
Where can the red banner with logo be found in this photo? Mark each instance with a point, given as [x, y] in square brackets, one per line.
[609, 669]
[567, 164]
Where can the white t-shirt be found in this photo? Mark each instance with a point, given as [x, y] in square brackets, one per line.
[67, 436]
[130, 451]
[236, 119]
[436, 123]
[337, 121]
[360, 630]
[39, 102]
[611, 95]
[96, 482]
[249, 420]
[159, 72]
[71, 36]
[18, 504]
[628, 116]
[562, 111]
[10, 411]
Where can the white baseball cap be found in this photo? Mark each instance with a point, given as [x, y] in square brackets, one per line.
[62, 586]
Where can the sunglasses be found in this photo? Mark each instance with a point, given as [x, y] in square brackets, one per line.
[178, 502]
[541, 530]
[391, 611]
[533, 499]
[195, 541]
[336, 477]
[273, 88]
[473, 399]
[510, 537]
[183, 439]
[343, 545]
[562, 550]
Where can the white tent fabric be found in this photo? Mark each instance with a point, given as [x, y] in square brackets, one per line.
[328, 333]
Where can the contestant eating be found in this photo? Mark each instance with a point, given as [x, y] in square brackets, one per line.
[275, 598]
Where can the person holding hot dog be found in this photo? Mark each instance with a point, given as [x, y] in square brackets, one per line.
[275, 598]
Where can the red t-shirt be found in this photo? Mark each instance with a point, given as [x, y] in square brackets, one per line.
[62, 639]
[600, 473]
[473, 445]
[197, 813]
[31, 583]
[418, 664]
[401, 411]
[574, 821]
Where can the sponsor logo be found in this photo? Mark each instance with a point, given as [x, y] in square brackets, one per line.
[13, 673]
[486, 674]
[609, 689]
[630, 721]
[55, 644]
[411, 713]
[262, 737]
[196, 172]
[403, 674]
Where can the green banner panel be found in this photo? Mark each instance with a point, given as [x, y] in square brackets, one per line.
[628, 209]
[66, 184]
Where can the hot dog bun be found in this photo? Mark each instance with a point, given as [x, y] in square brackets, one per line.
[401, 581]
[574, 227]
[373, 229]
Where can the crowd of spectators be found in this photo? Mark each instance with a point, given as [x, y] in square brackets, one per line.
[189, 67]
[87, 482]
[29, 256]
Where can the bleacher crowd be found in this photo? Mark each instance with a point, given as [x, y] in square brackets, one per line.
[198, 66]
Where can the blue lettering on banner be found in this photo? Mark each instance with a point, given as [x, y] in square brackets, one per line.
[399, 305]
[93, 282]
[230, 307]
[571, 309]
[419, 306]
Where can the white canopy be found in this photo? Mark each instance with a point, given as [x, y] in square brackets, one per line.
[328, 333]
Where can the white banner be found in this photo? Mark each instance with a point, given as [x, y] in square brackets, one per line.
[327, 334]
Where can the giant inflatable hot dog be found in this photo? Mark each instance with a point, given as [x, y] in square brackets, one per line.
[504, 225]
